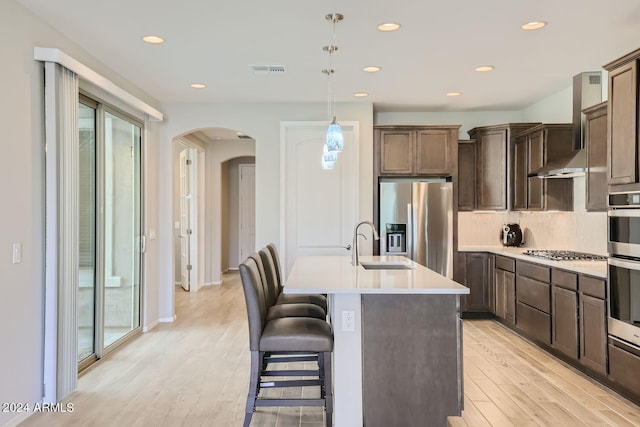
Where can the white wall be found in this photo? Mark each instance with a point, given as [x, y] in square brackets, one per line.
[22, 187]
[21, 170]
[557, 108]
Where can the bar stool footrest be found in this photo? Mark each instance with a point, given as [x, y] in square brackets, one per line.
[291, 383]
[292, 373]
[289, 402]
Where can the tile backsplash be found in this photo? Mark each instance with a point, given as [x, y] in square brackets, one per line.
[578, 230]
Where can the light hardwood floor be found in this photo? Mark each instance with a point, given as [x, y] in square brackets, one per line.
[194, 372]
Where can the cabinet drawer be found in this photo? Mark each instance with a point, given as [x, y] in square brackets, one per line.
[533, 292]
[624, 368]
[593, 286]
[564, 279]
[534, 271]
[504, 263]
[534, 323]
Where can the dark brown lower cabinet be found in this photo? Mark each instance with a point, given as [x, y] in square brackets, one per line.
[624, 366]
[564, 324]
[534, 323]
[593, 333]
[505, 282]
[478, 279]
[533, 295]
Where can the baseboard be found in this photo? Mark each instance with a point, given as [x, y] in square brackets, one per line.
[477, 315]
[17, 420]
[167, 319]
[151, 326]
[216, 283]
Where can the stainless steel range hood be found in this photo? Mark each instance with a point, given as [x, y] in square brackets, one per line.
[587, 91]
[569, 166]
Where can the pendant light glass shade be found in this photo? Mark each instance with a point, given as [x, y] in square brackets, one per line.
[328, 157]
[335, 140]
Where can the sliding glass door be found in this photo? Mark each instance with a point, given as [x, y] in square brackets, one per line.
[121, 256]
[87, 231]
[109, 229]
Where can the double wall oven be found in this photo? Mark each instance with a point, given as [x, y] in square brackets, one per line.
[624, 266]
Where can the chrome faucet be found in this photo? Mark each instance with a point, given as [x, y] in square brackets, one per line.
[355, 260]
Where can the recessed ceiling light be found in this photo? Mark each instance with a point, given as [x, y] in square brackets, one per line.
[454, 93]
[372, 69]
[484, 68]
[533, 25]
[153, 39]
[361, 94]
[388, 26]
[198, 85]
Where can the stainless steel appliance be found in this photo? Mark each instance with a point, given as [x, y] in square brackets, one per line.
[624, 266]
[624, 224]
[562, 255]
[416, 220]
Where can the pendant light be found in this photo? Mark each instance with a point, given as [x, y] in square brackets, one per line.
[334, 142]
[328, 157]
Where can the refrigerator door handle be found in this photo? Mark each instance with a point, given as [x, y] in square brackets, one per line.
[411, 231]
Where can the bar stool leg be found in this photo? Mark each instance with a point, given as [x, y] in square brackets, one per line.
[254, 381]
[328, 388]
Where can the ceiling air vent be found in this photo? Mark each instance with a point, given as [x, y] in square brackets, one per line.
[267, 69]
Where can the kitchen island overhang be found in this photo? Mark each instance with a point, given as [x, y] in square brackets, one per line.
[398, 348]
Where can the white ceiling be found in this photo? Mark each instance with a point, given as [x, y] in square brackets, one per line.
[435, 51]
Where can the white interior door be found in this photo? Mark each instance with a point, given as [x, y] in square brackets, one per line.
[320, 206]
[185, 217]
[247, 210]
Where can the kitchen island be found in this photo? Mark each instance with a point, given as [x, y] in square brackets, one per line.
[398, 339]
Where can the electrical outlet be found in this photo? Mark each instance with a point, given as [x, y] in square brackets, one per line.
[348, 321]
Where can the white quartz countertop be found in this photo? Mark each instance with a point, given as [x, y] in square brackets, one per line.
[336, 275]
[592, 268]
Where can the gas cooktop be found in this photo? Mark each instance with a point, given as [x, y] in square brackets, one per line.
[563, 255]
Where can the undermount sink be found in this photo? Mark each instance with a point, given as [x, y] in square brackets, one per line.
[385, 265]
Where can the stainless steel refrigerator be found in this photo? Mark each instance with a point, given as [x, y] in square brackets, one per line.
[416, 220]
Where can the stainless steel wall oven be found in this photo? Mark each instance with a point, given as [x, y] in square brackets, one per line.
[624, 266]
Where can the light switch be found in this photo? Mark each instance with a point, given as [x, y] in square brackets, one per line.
[152, 234]
[17, 253]
[176, 225]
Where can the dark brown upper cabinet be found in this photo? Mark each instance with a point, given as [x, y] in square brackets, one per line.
[415, 150]
[493, 164]
[595, 142]
[466, 174]
[622, 138]
[532, 149]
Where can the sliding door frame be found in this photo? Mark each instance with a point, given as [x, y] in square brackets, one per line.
[100, 350]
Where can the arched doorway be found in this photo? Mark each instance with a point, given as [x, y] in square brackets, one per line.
[219, 152]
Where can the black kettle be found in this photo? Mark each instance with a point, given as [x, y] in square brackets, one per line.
[511, 235]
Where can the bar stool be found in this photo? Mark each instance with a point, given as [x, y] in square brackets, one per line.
[271, 262]
[292, 336]
[275, 311]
